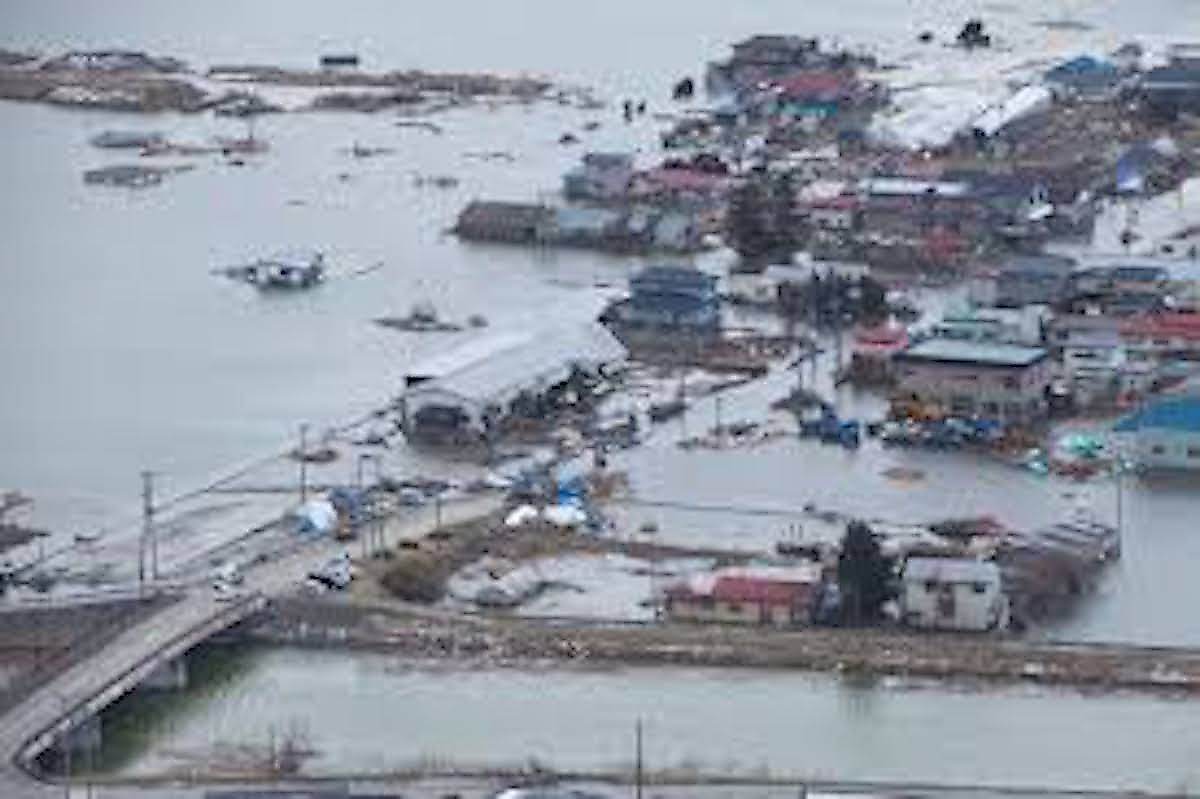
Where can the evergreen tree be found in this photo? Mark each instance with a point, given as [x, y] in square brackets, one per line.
[864, 575]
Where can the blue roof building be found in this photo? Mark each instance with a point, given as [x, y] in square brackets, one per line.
[672, 296]
[1086, 77]
[1165, 433]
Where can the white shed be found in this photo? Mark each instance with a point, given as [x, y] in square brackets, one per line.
[953, 594]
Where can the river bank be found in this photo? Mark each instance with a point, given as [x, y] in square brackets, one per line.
[483, 641]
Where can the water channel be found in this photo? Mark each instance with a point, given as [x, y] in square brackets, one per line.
[370, 713]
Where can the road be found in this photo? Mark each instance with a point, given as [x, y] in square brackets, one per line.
[88, 686]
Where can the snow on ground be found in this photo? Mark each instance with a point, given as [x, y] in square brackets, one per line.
[594, 586]
[940, 89]
[1156, 221]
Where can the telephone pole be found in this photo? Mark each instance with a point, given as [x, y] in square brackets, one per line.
[302, 456]
[637, 763]
[149, 530]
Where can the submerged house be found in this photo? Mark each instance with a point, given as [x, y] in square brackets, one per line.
[1165, 433]
[969, 378]
[678, 297]
[511, 223]
[600, 176]
[1086, 78]
[1173, 89]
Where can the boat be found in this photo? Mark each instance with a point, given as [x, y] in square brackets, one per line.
[282, 272]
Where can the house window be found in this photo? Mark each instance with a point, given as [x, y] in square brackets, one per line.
[978, 588]
[1193, 452]
[1012, 383]
[930, 586]
[733, 607]
[1158, 449]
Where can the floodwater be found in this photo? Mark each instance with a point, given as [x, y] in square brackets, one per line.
[121, 351]
[368, 713]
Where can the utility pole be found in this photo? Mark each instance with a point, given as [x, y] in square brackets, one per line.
[302, 454]
[637, 763]
[149, 531]
[1120, 502]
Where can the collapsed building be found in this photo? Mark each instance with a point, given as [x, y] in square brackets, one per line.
[472, 395]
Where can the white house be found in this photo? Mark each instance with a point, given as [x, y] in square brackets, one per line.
[1165, 433]
[953, 594]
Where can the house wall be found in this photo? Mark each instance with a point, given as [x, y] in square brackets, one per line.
[751, 613]
[1005, 392]
[1158, 448]
[1144, 348]
[954, 606]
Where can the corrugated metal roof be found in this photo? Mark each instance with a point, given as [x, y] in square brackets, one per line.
[538, 358]
[972, 352]
[951, 570]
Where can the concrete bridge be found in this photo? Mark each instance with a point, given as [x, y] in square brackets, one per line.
[71, 699]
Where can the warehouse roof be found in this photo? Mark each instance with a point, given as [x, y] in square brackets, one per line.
[980, 353]
[499, 368]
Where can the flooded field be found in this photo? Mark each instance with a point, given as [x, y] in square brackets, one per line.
[371, 713]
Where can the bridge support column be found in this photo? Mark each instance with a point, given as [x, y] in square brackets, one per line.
[170, 675]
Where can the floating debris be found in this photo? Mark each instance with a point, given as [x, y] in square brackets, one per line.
[423, 318]
[281, 272]
[243, 104]
[339, 61]
[436, 181]
[128, 140]
[364, 151]
[131, 176]
[241, 145]
[491, 155]
[421, 124]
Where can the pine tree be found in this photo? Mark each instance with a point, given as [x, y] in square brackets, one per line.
[864, 575]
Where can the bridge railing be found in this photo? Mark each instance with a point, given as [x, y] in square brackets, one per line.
[46, 668]
[40, 740]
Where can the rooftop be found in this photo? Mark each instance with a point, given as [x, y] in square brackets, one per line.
[951, 570]
[681, 276]
[911, 187]
[1186, 325]
[979, 353]
[499, 365]
[1181, 414]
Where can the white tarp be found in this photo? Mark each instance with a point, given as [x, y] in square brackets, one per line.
[317, 516]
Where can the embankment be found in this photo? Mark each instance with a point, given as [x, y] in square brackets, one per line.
[431, 634]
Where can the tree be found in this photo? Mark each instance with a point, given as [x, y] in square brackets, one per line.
[864, 575]
[762, 223]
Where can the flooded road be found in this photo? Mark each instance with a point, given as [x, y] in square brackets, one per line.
[369, 713]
